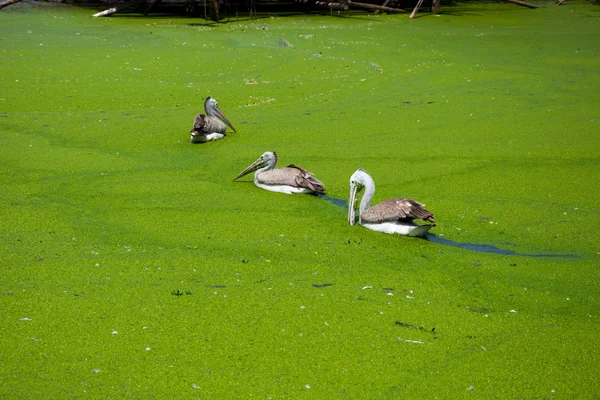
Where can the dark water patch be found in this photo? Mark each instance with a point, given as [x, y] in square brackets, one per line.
[333, 200]
[488, 248]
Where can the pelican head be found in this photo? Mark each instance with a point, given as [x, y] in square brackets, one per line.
[266, 161]
[212, 109]
[358, 181]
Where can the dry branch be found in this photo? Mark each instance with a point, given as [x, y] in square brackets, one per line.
[8, 3]
[412, 15]
[113, 10]
[523, 3]
[374, 7]
[337, 6]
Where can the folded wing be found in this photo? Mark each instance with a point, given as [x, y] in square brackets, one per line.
[396, 210]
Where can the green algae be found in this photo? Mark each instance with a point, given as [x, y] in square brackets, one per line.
[133, 266]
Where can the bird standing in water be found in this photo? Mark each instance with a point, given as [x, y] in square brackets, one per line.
[390, 216]
[289, 180]
[211, 126]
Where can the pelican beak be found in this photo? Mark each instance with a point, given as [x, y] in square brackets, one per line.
[223, 118]
[251, 168]
[351, 211]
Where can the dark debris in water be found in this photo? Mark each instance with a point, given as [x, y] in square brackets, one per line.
[421, 328]
[351, 242]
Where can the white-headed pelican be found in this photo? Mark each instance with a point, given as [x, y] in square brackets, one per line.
[211, 126]
[389, 216]
[291, 179]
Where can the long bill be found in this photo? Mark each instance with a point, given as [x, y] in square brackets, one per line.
[251, 168]
[351, 211]
[223, 118]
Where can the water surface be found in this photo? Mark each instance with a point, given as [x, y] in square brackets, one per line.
[132, 265]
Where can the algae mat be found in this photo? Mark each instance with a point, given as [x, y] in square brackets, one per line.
[132, 266]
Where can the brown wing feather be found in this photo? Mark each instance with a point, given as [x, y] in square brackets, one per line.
[291, 176]
[305, 179]
[396, 210]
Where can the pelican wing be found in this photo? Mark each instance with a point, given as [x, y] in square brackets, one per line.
[396, 210]
[290, 176]
[199, 122]
[305, 179]
[204, 124]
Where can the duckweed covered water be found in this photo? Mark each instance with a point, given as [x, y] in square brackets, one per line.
[133, 266]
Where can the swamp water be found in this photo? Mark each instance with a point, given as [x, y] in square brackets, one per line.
[131, 264]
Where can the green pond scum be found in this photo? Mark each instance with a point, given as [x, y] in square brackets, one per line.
[133, 266]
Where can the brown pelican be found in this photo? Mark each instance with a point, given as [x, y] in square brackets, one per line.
[210, 127]
[291, 179]
[389, 216]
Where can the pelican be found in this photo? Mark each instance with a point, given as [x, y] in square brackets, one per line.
[289, 180]
[210, 127]
[389, 216]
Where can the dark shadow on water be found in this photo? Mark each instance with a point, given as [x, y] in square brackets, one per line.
[488, 248]
[482, 248]
[333, 200]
